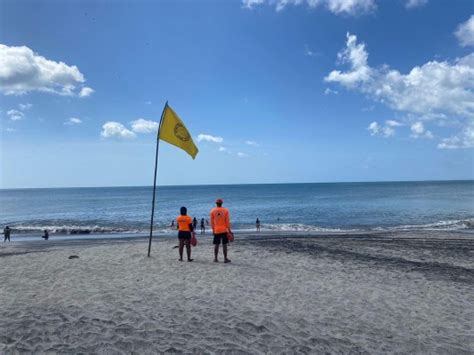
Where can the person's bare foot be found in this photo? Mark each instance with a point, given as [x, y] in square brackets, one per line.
[190, 259]
[216, 261]
[227, 261]
[180, 259]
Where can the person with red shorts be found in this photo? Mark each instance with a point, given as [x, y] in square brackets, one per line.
[220, 224]
[185, 228]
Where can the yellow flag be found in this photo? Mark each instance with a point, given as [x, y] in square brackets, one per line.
[175, 132]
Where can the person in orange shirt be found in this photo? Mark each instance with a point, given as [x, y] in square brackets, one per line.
[220, 224]
[185, 228]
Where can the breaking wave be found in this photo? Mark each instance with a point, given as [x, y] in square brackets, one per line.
[84, 229]
[81, 229]
[457, 224]
[449, 225]
[299, 227]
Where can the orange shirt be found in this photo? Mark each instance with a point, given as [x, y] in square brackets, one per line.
[183, 223]
[220, 220]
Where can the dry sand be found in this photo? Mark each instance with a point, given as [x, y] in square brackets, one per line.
[357, 294]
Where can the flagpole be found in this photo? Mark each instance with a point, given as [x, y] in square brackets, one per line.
[154, 179]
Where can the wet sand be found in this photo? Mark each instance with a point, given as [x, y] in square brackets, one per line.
[378, 293]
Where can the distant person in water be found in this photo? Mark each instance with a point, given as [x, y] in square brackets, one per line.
[203, 226]
[220, 223]
[185, 228]
[45, 236]
[172, 223]
[257, 225]
[6, 234]
[195, 223]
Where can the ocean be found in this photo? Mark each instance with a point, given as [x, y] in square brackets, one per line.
[316, 207]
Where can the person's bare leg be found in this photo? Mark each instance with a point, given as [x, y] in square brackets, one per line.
[181, 247]
[216, 252]
[224, 248]
[188, 249]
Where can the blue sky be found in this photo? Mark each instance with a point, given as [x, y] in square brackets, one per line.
[280, 91]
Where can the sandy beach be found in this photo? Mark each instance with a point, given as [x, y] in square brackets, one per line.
[379, 293]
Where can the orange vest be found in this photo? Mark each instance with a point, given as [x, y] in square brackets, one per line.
[220, 220]
[183, 223]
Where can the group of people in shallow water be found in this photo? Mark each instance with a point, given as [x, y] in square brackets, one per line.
[7, 233]
[220, 224]
[205, 222]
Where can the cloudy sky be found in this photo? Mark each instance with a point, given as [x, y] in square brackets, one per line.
[271, 90]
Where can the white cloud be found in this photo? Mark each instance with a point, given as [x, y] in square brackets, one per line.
[329, 91]
[25, 107]
[209, 138]
[393, 123]
[411, 4]
[465, 32]
[368, 108]
[115, 129]
[417, 128]
[222, 149]
[433, 91]
[15, 115]
[144, 126]
[348, 7]
[351, 7]
[86, 91]
[386, 130]
[374, 128]
[465, 139]
[252, 143]
[418, 131]
[22, 71]
[309, 52]
[73, 121]
[10, 129]
[249, 4]
[356, 56]
[241, 155]
[435, 87]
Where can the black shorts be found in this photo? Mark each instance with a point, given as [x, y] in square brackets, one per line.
[184, 235]
[218, 237]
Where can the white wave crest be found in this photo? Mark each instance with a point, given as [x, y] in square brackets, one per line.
[455, 224]
[33, 227]
[300, 227]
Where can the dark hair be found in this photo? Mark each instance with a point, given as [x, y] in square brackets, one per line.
[219, 204]
[183, 211]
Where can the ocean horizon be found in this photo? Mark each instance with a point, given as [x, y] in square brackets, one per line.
[245, 183]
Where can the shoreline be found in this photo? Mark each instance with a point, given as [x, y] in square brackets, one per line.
[411, 234]
[30, 232]
[407, 293]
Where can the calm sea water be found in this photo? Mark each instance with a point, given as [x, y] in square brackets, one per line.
[286, 207]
